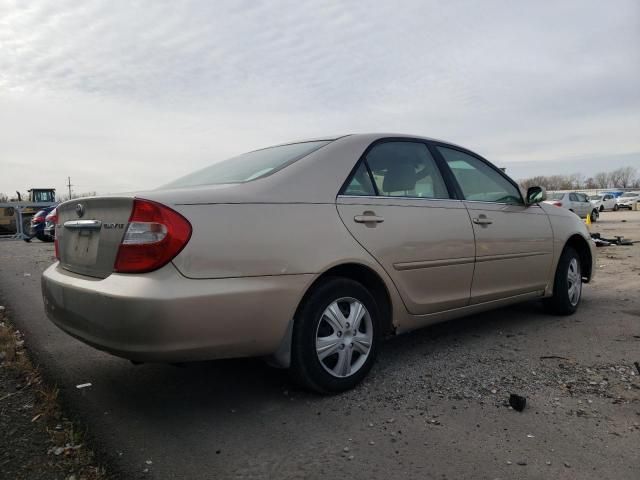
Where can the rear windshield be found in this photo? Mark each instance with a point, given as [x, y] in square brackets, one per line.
[248, 166]
[556, 196]
[629, 195]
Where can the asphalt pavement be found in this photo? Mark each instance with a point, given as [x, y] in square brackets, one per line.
[434, 406]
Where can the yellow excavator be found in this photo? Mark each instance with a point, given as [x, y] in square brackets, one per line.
[15, 215]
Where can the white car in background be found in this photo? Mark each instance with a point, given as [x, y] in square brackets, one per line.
[575, 202]
[604, 201]
[628, 200]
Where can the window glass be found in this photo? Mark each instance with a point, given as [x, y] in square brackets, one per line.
[248, 166]
[360, 183]
[596, 197]
[478, 180]
[406, 169]
[573, 197]
[555, 196]
[582, 197]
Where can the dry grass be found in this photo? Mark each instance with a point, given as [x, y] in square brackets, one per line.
[48, 414]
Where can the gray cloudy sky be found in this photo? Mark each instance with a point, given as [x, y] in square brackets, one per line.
[125, 95]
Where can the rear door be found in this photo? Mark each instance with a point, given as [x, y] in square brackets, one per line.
[585, 204]
[514, 242]
[576, 205]
[397, 205]
[609, 201]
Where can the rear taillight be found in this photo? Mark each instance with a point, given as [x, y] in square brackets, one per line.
[37, 220]
[557, 204]
[155, 235]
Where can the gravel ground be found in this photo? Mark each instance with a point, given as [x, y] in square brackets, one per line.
[434, 406]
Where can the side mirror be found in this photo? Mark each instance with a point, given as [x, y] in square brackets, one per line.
[536, 195]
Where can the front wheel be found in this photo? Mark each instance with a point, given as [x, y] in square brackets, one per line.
[615, 208]
[594, 215]
[602, 208]
[567, 284]
[335, 336]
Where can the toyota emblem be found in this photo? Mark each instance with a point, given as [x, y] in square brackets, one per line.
[80, 210]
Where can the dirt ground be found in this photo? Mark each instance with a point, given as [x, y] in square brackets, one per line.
[434, 406]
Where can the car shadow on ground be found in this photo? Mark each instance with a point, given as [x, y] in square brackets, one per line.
[250, 384]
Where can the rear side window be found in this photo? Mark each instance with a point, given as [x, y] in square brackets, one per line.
[404, 169]
[478, 180]
[573, 197]
[360, 183]
[248, 166]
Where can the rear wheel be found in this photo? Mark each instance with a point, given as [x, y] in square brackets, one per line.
[594, 215]
[615, 208]
[335, 336]
[567, 285]
[602, 208]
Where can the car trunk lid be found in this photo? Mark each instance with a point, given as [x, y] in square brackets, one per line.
[89, 233]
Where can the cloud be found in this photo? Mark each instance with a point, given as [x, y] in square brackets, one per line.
[128, 95]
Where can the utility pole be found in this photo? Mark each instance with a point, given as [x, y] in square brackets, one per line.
[69, 186]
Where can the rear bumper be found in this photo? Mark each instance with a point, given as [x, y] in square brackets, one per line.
[163, 316]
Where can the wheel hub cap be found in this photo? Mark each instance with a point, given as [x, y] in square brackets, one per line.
[344, 337]
[574, 282]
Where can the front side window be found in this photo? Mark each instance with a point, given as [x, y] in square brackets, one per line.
[405, 169]
[478, 181]
[248, 166]
[573, 197]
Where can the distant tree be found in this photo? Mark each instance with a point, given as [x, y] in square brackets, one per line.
[4, 198]
[623, 177]
[576, 180]
[590, 183]
[539, 181]
[65, 197]
[601, 179]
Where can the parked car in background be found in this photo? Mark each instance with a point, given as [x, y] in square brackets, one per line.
[50, 224]
[603, 201]
[615, 193]
[575, 202]
[310, 253]
[628, 200]
[37, 225]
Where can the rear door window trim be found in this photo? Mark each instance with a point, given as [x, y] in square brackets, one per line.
[439, 161]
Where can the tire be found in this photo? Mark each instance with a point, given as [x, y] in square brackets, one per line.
[594, 216]
[316, 319]
[602, 208]
[565, 301]
[43, 237]
[615, 208]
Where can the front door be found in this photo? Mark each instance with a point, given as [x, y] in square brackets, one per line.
[514, 242]
[397, 206]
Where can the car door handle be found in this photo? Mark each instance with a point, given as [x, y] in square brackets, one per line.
[368, 218]
[482, 221]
